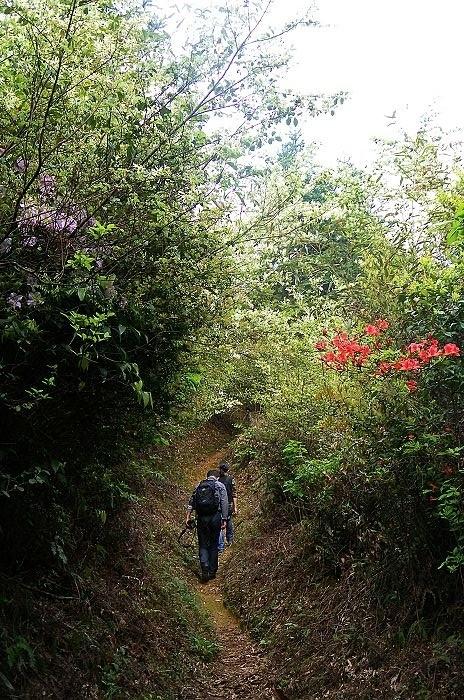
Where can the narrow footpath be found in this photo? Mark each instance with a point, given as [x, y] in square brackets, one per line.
[240, 670]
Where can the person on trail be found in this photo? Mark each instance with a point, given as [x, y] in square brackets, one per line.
[209, 501]
[231, 488]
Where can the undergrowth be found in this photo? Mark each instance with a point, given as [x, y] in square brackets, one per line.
[355, 630]
[124, 622]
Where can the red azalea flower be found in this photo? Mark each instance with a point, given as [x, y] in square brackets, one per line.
[450, 349]
[382, 324]
[384, 367]
[433, 351]
[353, 346]
[321, 345]
[412, 386]
[365, 350]
[371, 330]
[329, 357]
[415, 347]
[340, 340]
[407, 364]
[424, 356]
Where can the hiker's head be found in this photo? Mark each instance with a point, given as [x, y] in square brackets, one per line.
[214, 472]
[224, 468]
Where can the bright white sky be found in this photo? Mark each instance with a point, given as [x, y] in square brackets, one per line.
[403, 55]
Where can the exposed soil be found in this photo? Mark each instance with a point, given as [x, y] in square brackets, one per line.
[240, 671]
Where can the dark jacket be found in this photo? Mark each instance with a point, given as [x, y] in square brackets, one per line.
[229, 483]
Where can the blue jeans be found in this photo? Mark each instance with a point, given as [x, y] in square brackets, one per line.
[229, 534]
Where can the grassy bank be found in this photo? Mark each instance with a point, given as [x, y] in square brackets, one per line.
[125, 621]
[331, 635]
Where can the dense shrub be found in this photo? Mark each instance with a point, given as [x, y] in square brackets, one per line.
[360, 437]
[118, 218]
[115, 237]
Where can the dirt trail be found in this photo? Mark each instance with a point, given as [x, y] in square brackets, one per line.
[240, 672]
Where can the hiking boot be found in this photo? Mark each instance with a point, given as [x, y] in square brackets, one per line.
[205, 575]
[212, 575]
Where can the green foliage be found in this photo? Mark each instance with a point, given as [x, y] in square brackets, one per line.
[111, 673]
[307, 473]
[19, 655]
[133, 286]
[371, 473]
[115, 250]
[205, 648]
[456, 232]
[118, 240]
[450, 508]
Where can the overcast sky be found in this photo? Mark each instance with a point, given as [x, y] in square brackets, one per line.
[403, 55]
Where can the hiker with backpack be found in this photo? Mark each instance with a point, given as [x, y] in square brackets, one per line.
[209, 501]
[231, 488]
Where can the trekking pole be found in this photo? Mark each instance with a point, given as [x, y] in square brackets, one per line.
[191, 529]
